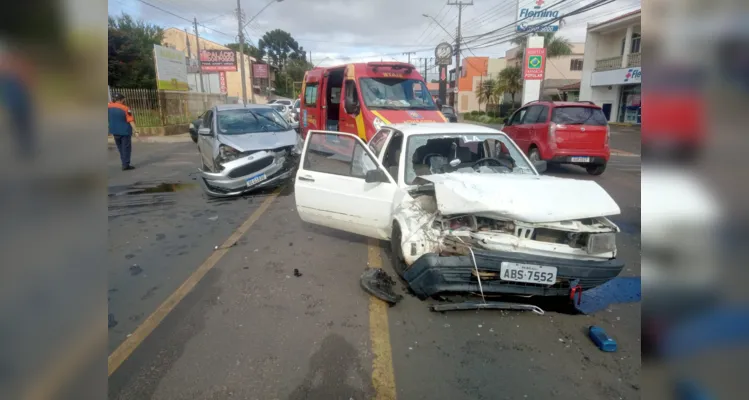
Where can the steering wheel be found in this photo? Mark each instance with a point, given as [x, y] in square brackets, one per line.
[499, 161]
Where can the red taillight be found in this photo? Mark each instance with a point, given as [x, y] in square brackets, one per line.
[553, 134]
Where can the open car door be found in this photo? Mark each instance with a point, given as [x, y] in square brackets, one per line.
[340, 184]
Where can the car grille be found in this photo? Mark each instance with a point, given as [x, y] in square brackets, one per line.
[251, 167]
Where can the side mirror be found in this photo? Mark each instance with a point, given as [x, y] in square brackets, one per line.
[540, 166]
[205, 132]
[376, 176]
[350, 107]
[506, 121]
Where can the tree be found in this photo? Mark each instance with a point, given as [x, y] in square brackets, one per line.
[280, 48]
[556, 46]
[511, 80]
[130, 62]
[485, 92]
[293, 72]
[249, 50]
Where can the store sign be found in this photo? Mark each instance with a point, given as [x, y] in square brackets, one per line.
[218, 60]
[260, 71]
[532, 14]
[535, 64]
[622, 76]
[222, 82]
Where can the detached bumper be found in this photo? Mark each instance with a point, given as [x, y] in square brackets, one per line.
[432, 274]
[226, 183]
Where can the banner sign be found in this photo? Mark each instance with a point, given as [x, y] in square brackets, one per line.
[535, 62]
[171, 71]
[444, 53]
[218, 60]
[222, 82]
[532, 13]
[260, 71]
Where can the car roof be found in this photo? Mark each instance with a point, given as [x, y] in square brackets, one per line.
[442, 128]
[222, 107]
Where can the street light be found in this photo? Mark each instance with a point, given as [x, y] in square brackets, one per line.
[241, 46]
[438, 24]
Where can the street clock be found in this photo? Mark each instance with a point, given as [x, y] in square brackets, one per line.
[444, 53]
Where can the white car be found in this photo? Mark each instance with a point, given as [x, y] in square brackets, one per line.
[460, 201]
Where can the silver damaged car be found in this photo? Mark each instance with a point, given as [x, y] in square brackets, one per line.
[244, 148]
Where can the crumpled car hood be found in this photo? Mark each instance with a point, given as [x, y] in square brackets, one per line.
[528, 198]
[260, 140]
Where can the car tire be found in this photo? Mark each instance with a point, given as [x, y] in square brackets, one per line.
[396, 254]
[595, 169]
[534, 155]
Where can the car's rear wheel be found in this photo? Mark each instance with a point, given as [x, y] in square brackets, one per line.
[596, 169]
[534, 155]
[396, 254]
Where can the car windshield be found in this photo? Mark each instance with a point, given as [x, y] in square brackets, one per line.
[277, 107]
[396, 94]
[245, 120]
[433, 154]
[297, 103]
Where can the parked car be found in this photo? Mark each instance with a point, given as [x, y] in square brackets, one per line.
[194, 126]
[245, 147]
[449, 113]
[562, 133]
[288, 113]
[457, 202]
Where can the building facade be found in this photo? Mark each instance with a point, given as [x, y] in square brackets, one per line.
[560, 71]
[612, 74]
[187, 43]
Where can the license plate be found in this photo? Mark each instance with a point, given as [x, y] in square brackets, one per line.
[256, 179]
[580, 159]
[528, 273]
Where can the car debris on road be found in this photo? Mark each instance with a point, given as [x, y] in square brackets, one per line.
[464, 209]
[378, 283]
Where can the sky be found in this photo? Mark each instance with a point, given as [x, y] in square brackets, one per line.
[341, 31]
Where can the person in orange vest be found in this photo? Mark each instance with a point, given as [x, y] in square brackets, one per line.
[122, 128]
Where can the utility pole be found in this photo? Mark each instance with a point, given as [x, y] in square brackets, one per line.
[197, 42]
[408, 53]
[426, 60]
[458, 39]
[241, 53]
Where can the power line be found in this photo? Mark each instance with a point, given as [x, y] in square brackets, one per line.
[183, 18]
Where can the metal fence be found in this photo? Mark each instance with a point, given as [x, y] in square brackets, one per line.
[163, 108]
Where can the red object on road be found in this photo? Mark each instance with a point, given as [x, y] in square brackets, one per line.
[562, 133]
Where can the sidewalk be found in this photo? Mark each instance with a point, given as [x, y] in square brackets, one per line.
[182, 138]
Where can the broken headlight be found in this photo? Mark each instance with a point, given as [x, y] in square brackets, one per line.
[601, 243]
[227, 153]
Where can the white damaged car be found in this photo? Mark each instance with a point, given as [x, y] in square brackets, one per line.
[464, 209]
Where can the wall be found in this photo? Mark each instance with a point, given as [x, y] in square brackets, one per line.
[496, 65]
[177, 39]
[603, 94]
[472, 66]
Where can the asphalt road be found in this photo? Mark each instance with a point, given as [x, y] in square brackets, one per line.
[251, 329]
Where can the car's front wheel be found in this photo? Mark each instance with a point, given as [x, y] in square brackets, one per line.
[396, 254]
[596, 169]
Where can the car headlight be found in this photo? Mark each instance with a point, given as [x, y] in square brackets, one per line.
[227, 153]
[377, 123]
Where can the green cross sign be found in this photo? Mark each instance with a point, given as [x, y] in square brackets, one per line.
[534, 62]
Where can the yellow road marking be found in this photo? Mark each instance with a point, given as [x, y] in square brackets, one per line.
[127, 347]
[383, 378]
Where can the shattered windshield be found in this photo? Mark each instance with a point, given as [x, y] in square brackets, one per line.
[244, 120]
[469, 153]
[396, 94]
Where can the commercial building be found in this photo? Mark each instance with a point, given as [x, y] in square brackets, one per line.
[187, 43]
[612, 75]
[561, 72]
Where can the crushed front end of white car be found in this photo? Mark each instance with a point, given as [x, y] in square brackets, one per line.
[505, 234]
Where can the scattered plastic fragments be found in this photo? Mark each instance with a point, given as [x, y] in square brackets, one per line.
[601, 339]
[617, 290]
[297, 273]
[378, 283]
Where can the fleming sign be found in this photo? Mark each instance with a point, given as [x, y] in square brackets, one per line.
[532, 13]
[535, 62]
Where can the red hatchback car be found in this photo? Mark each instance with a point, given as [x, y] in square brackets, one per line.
[562, 133]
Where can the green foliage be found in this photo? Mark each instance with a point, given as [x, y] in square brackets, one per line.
[130, 61]
[511, 80]
[280, 48]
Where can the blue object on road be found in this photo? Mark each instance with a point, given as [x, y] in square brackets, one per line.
[689, 390]
[601, 339]
[617, 290]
